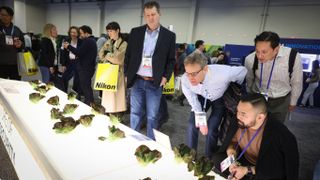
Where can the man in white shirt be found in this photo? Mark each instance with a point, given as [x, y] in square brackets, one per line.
[272, 76]
[204, 85]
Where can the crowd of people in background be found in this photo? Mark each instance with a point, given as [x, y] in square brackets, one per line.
[147, 58]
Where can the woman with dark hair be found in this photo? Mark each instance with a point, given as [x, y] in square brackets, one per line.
[68, 60]
[313, 81]
[113, 51]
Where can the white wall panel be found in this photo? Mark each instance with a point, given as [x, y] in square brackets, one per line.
[234, 25]
[86, 14]
[58, 15]
[295, 21]
[20, 15]
[126, 13]
[35, 17]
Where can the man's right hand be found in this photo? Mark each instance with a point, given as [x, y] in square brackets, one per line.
[204, 130]
[231, 151]
[65, 45]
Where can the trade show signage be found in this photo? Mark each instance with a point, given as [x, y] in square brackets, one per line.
[237, 53]
[309, 46]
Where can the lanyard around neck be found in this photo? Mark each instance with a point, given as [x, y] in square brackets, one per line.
[204, 104]
[251, 140]
[269, 80]
[11, 30]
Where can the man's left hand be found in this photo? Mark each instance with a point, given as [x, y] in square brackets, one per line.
[292, 108]
[163, 81]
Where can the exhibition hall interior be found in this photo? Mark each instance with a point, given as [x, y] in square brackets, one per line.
[159, 90]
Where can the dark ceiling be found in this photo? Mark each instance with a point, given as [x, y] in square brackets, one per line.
[73, 1]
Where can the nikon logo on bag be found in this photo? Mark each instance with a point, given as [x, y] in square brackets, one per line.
[106, 77]
[168, 91]
[168, 88]
[105, 86]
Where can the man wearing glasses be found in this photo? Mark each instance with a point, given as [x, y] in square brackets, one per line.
[204, 85]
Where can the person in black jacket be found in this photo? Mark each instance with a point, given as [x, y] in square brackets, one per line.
[11, 42]
[86, 54]
[149, 63]
[263, 146]
[48, 52]
[68, 61]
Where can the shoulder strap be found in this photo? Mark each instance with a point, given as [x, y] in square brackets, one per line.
[255, 66]
[120, 44]
[292, 58]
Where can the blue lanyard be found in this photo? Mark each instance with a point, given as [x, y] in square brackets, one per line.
[205, 102]
[251, 140]
[268, 84]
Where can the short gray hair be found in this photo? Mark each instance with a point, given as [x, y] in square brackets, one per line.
[196, 58]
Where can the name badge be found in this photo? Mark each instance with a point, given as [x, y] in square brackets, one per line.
[200, 119]
[9, 40]
[147, 62]
[72, 56]
[225, 164]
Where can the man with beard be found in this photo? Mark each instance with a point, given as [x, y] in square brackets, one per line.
[262, 148]
[86, 61]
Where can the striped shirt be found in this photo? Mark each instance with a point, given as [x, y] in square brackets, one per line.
[280, 83]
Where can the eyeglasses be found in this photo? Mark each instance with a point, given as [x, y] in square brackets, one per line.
[4, 15]
[194, 74]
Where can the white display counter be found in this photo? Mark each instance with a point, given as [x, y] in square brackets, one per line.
[37, 152]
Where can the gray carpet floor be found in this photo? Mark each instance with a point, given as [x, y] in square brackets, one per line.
[305, 124]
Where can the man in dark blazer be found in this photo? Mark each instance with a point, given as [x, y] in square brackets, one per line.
[149, 63]
[265, 148]
[87, 54]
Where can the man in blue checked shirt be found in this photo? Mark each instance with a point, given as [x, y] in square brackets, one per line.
[204, 85]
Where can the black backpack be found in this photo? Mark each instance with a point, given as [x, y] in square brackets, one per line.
[231, 98]
[292, 58]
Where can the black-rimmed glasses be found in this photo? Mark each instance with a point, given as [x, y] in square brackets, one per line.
[194, 74]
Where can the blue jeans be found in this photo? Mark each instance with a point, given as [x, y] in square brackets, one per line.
[213, 122]
[163, 114]
[144, 99]
[68, 74]
[316, 174]
[45, 73]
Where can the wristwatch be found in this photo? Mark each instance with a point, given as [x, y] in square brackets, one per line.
[249, 172]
